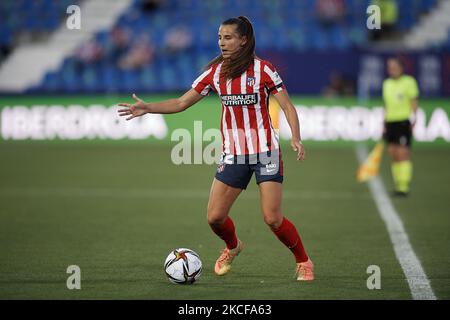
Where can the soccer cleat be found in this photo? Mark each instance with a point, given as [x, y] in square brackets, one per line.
[223, 264]
[399, 194]
[305, 271]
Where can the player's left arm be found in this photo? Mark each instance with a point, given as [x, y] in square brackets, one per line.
[288, 108]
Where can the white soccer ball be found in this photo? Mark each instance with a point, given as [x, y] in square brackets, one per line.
[183, 266]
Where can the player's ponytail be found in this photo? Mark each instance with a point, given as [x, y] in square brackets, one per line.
[244, 57]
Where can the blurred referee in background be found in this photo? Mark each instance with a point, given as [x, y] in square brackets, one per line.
[400, 95]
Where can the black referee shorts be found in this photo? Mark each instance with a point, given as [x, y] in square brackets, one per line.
[398, 132]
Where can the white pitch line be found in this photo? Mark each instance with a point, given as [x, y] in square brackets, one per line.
[418, 282]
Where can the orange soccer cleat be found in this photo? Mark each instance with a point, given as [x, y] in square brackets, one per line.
[223, 264]
[305, 271]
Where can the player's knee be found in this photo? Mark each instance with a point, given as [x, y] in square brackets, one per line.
[215, 219]
[273, 220]
[392, 150]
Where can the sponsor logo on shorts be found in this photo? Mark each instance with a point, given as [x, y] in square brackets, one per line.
[220, 168]
[269, 169]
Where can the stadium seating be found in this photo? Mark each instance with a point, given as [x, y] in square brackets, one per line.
[28, 17]
[31, 16]
[282, 25]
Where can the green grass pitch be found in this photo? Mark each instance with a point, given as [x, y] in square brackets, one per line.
[117, 210]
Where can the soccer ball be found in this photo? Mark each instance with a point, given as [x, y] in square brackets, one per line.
[183, 266]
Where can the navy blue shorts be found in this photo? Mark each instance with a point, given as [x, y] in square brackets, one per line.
[237, 171]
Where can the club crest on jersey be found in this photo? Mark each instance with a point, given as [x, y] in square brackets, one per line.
[251, 81]
[232, 100]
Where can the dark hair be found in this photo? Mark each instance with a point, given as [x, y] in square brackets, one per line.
[244, 57]
[399, 60]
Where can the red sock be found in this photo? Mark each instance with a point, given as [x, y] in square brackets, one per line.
[288, 234]
[226, 233]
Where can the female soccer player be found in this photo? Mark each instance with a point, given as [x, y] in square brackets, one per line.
[400, 94]
[243, 82]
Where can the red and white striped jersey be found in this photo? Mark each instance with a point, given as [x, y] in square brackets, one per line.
[245, 125]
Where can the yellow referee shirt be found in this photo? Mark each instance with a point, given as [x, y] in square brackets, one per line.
[397, 95]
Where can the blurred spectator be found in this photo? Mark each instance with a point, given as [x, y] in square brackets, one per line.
[389, 18]
[339, 86]
[151, 5]
[6, 42]
[118, 44]
[330, 12]
[177, 39]
[140, 53]
[89, 52]
[4, 51]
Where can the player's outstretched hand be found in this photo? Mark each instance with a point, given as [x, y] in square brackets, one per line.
[298, 146]
[137, 109]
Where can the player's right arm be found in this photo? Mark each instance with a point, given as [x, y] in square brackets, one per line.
[140, 107]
